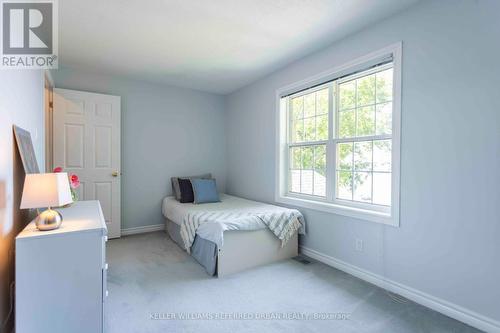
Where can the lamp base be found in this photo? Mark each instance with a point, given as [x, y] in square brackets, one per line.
[48, 220]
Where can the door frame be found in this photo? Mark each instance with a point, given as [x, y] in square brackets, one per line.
[48, 106]
[57, 91]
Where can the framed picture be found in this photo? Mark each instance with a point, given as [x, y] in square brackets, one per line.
[25, 147]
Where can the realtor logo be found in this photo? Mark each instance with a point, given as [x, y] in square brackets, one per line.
[29, 34]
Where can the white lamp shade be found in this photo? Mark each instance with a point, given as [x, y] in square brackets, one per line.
[46, 190]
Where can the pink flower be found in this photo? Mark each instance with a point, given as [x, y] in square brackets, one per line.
[74, 181]
[57, 169]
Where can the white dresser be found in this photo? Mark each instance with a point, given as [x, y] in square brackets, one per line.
[61, 274]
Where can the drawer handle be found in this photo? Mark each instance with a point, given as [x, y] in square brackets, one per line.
[106, 266]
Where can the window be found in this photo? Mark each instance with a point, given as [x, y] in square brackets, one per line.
[338, 142]
[308, 138]
[363, 137]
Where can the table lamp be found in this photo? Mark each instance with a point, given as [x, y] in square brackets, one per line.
[46, 190]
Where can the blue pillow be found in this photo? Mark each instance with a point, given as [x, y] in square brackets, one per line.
[205, 190]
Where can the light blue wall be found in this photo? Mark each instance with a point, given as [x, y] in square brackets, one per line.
[21, 104]
[448, 244]
[166, 131]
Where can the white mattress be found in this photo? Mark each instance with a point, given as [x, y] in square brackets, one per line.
[176, 211]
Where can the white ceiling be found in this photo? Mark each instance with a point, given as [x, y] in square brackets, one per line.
[211, 45]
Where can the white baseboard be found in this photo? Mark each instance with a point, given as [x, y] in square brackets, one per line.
[142, 230]
[447, 308]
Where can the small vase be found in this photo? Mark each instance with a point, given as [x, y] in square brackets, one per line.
[74, 196]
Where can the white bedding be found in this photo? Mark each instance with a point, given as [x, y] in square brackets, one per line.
[213, 231]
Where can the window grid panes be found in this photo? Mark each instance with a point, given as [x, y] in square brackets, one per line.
[308, 169]
[363, 168]
[363, 171]
[365, 105]
[309, 117]
[308, 125]
[362, 140]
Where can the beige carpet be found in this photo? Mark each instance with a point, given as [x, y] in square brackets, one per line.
[152, 283]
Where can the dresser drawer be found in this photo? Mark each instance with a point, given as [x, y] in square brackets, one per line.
[104, 241]
[104, 269]
[105, 282]
[50, 264]
[60, 263]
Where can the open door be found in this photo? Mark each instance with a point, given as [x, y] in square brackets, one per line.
[86, 141]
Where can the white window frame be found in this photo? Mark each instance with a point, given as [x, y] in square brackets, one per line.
[369, 212]
[309, 143]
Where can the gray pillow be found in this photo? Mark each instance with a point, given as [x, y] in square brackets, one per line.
[175, 184]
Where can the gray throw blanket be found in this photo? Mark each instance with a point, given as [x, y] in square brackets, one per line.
[283, 223]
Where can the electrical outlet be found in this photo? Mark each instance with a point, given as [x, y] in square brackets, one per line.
[359, 245]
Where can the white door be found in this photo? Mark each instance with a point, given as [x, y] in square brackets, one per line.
[86, 136]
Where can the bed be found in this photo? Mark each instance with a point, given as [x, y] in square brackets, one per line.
[234, 234]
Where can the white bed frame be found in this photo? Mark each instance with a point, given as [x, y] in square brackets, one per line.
[246, 249]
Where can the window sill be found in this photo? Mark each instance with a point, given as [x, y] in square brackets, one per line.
[358, 213]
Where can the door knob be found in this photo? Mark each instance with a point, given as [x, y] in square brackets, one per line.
[115, 174]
